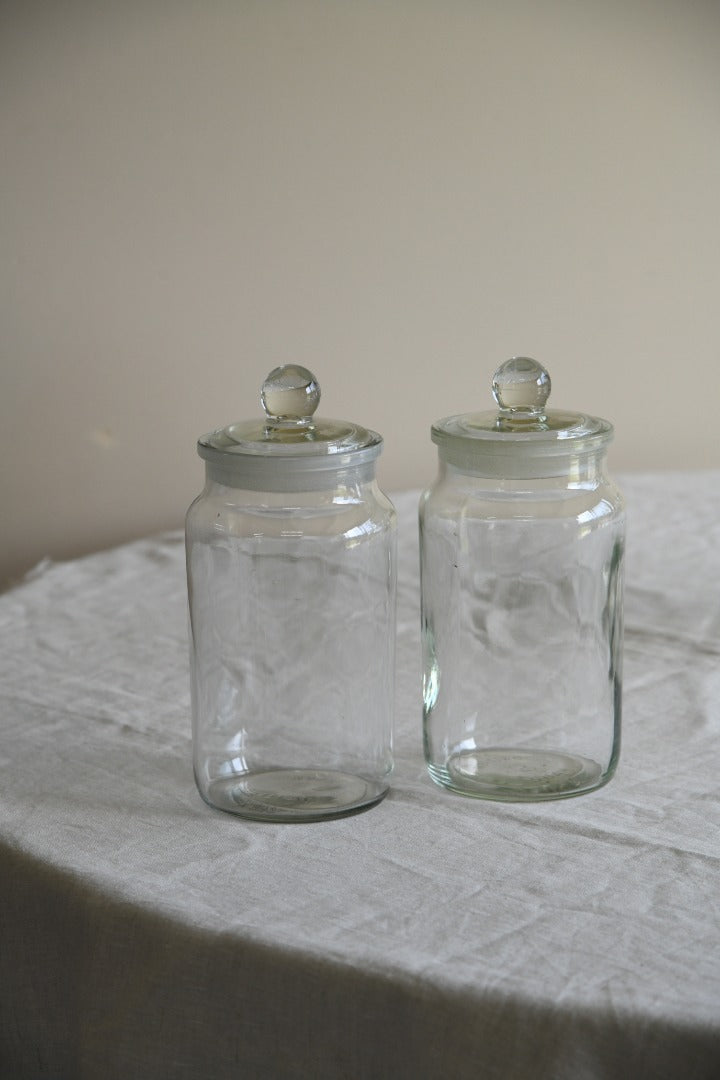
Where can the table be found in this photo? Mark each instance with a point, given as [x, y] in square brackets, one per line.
[143, 934]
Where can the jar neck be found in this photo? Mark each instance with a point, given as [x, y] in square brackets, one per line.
[288, 477]
[574, 470]
[340, 487]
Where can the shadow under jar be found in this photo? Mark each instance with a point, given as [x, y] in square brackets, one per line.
[291, 580]
[521, 552]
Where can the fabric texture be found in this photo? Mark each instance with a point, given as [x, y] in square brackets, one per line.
[143, 934]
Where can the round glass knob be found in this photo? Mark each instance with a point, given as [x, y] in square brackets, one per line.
[521, 385]
[291, 394]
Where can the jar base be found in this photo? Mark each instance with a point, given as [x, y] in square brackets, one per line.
[287, 795]
[508, 774]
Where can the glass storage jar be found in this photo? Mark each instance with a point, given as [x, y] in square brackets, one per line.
[521, 550]
[291, 580]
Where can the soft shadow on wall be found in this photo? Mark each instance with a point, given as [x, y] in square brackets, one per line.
[398, 195]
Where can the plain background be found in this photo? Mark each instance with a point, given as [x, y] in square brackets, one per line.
[399, 194]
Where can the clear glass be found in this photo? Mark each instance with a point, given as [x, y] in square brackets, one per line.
[292, 626]
[521, 584]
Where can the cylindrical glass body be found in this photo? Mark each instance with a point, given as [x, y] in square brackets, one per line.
[521, 583]
[292, 624]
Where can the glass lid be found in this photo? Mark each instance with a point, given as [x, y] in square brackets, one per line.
[289, 434]
[521, 437]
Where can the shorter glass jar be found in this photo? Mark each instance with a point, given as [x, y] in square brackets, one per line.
[291, 579]
[521, 543]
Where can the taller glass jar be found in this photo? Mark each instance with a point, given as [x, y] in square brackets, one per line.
[291, 579]
[521, 542]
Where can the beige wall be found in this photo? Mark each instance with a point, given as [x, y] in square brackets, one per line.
[397, 193]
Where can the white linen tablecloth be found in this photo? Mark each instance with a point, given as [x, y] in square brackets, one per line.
[144, 935]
